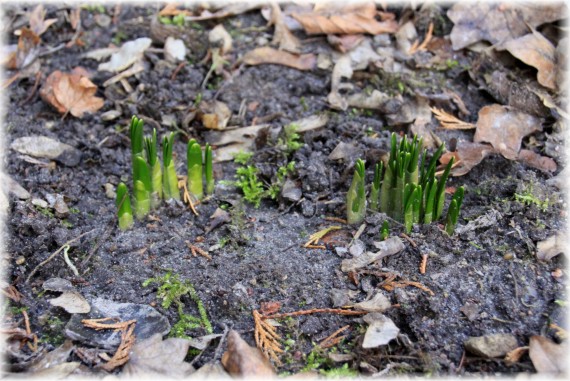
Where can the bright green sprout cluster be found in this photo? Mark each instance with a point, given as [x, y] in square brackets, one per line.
[406, 192]
[151, 182]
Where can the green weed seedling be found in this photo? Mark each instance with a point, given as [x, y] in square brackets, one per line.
[251, 186]
[290, 140]
[171, 290]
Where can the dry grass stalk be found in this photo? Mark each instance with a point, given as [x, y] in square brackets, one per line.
[449, 121]
[34, 345]
[417, 47]
[334, 339]
[266, 338]
[12, 293]
[337, 311]
[121, 356]
[423, 264]
[97, 324]
[314, 238]
[404, 283]
[195, 249]
[185, 194]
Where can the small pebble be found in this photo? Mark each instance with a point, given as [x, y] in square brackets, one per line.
[39, 202]
[20, 260]
[508, 256]
[110, 115]
[110, 191]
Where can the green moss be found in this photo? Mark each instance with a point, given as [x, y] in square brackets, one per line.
[290, 140]
[243, 157]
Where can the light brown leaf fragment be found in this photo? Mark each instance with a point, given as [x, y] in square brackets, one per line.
[535, 50]
[171, 9]
[537, 161]
[71, 92]
[26, 52]
[467, 155]
[268, 308]
[548, 357]
[282, 36]
[267, 55]
[498, 22]
[38, 23]
[353, 18]
[346, 42]
[241, 360]
[515, 355]
[551, 247]
[505, 128]
[450, 122]
[231, 9]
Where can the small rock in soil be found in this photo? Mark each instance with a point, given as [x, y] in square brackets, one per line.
[343, 151]
[110, 115]
[308, 208]
[110, 191]
[357, 248]
[489, 346]
[15, 188]
[291, 191]
[342, 297]
[149, 322]
[58, 284]
[40, 203]
[72, 301]
[44, 147]
[311, 326]
[471, 310]
[381, 330]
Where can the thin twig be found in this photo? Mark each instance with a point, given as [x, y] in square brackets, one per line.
[68, 261]
[337, 311]
[68, 243]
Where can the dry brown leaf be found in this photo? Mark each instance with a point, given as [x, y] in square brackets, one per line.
[71, 92]
[38, 23]
[26, 52]
[232, 9]
[268, 308]
[267, 55]
[345, 19]
[546, 356]
[498, 22]
[171, 9]
[346, 42]
[537, 161]
[535, 50]
[515, 355]
[467, 155]
[449, 121]
[282, 36]
[216, 115]
[551, 247]
[242, 360]
[505, 128]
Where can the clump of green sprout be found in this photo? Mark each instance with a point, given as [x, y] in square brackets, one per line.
[155, 170]
[151, 182]
[123, 203]
[169, 178]
[408, 193]
[355, 199]
[194, 161]
[384, 231]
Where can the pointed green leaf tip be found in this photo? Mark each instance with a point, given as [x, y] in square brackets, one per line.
[123, 204]
[136, 134]
[194, 161]
[355, 197]
[169, 178]
[209, 170]
[156, 171]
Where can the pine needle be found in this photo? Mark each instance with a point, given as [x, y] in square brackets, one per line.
[314, 238]
[266, 338]
[449, 121]
[185, 194]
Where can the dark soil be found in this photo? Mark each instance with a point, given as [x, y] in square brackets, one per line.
[493, 270]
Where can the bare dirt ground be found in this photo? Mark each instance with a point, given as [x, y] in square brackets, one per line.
[489, 291]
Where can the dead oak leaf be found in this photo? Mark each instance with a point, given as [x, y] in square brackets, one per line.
[535, 50]
[71, 92]
[498, 22]
[505, 128]
[242, 360]
[467, 155]
[537, 161]
[345, 19]
[267, 55]
[546, 356]
[38, 23]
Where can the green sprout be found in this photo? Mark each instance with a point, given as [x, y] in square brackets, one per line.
[169, 178]
[209, 170]
[142, 187]
[375, 190]
[356, 200]
[384, 230]
[453, 211]
[194, 161]
[136, 134]
[155, 170]
[123, 203]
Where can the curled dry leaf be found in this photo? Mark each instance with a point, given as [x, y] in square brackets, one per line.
[231, 9]
[498, 22]
[220, 38]
[216, 115]
[267, 55]
[450, 122]
[242, 360]
[548, 357]
[535, 50]
[345, 19]
[26, 51]
[346, 42]
[71, 92]
[467, 155]
[505, 128]
[551, 247]
[129, 53]
[282, 36]
[38, 23]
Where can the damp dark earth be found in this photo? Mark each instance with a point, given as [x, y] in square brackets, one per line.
[269, 274]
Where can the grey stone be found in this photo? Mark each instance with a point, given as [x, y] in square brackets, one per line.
[58, 284]
[357, 248]
[149, 322]
[291, 191]
[307, 208]
[496, 345]
[44, 147]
